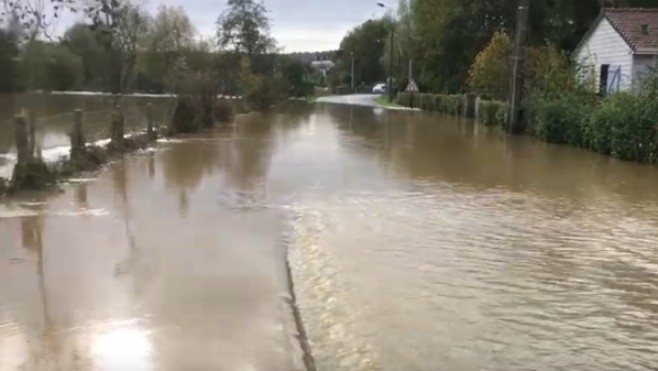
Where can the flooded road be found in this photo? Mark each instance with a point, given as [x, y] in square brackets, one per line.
[416, 242]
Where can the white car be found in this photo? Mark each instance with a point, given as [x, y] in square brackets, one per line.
[380, 89]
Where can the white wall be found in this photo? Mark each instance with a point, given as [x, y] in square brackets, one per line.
[641, 66]
[606, 46]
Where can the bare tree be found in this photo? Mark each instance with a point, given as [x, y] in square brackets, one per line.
[33, 18]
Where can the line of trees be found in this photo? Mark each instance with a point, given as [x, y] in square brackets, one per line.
[121, 48]
[444, 37]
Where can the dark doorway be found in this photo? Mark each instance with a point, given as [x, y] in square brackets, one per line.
[603, 80]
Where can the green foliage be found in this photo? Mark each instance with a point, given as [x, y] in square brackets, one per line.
[489, 74]
[622, 125]
[83, 41]
[64, 69]
[244, 28]
[625, 127]
[548, 72]
[51, 67]
[492, 113]
[561, 119]
[34, 175]
[3, 186]
[9, 67]
[296, 78]
[450, 104]
[366, 44]
[167, 41]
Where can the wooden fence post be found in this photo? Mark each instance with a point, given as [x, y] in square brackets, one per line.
[149, 121]
[32, 123]
[22, 141]
[116, 135]
[78, 142]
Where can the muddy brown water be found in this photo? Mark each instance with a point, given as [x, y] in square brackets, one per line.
[416, 242]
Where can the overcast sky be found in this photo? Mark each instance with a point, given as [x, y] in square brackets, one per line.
[298, 25]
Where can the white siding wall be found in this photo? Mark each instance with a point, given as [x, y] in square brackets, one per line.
[606, 46]
[641, 66]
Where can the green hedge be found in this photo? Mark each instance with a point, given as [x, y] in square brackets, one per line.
[622, 125]
[560, 120]
[452, 104]
[492, 113]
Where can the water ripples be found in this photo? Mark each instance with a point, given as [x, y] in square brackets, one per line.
[447, 277]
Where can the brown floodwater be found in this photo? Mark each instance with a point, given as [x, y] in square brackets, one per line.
[416, 242]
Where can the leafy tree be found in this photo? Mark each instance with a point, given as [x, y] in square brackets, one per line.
[489, 74]
[8, 62]
[169, 37]
[244, 28]
[296, 76]
[64, 69]
[53, 66]
[366, 43]
[83, 42]
[121, 27]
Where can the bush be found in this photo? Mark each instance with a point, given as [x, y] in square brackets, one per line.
[185, 118]
[3, 186]
[223, 110]
[489, 73]
[33, 176]
[561, 119]
[625, 127]
[452, 104]
[492, 113]
[404, 99]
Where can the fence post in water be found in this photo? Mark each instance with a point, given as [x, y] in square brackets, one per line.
[31, 122]
[116, 135]
[78, 142]
[471, 100]
[22, 141]
[149, 122]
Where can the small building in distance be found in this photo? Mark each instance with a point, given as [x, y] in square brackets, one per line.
[323, 66]
[619, 49]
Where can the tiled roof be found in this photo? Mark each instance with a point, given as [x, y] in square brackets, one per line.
[638, 26]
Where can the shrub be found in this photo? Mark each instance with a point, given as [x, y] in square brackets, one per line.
[453, 104]
[404, 99]
[492, 113]
[625, 127]
[489, 73]
[3, 186]
[185, 118]
[34, 175]
[561, 119]
[425, 101]
[223, 110]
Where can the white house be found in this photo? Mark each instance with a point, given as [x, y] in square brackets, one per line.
[619, 49]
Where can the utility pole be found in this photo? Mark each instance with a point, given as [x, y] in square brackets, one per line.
[515, 124]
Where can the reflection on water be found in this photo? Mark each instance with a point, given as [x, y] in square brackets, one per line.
[417, 242]
[122, 346]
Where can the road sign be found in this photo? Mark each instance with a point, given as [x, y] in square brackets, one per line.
[411, 87]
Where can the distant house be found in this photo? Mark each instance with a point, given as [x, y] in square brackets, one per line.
[619, 49]
[323, 66]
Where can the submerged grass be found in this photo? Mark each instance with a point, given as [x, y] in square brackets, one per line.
[383, 101]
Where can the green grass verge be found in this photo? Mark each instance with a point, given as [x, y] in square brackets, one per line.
[382, 101]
